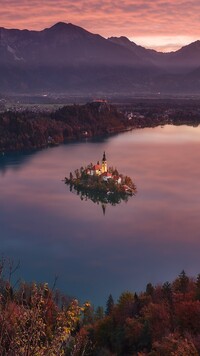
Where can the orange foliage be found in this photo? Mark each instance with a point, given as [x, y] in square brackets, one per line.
[158, 318]
[187, 316]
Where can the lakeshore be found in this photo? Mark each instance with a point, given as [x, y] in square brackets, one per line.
[30, 128]
[53, 232]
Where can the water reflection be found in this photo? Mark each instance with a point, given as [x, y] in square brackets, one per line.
[102, 198]
[14, 161]
[150, 238]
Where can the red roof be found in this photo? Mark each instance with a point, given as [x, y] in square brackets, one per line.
[97, 167]
[107, 174]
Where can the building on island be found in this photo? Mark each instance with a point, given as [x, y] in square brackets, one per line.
[102, 171]
[106, 176]
[101, 178]
[104, 167]
[98, 169]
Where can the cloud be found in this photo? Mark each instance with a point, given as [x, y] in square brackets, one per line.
[132, 18]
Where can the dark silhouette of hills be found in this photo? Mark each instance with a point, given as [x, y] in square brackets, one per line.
[67, 58]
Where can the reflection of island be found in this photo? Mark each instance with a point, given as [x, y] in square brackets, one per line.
[101, 184]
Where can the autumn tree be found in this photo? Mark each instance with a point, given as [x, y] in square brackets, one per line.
[88, 314]
[157, 317]
[175, 345]
[187, 315]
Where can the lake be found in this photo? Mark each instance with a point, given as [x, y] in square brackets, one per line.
[151, 238]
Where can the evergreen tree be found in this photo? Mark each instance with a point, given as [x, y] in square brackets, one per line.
[149, 289]
[99, 313]
[70, 176]
[197, 287]
[109, 305]
[168, 296]
[182, 283]
[167, 292]
[126, 305]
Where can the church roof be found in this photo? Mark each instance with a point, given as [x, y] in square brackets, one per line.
[97, 166]
[104, 156]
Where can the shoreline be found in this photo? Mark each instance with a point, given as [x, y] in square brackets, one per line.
[27, 130]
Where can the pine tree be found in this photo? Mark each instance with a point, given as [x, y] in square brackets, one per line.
[167, 291]
[197, 289]
[109, 305]
[183, 282]
[99, 313]
[149, 289]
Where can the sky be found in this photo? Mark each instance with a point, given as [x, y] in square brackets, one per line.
[164, 25]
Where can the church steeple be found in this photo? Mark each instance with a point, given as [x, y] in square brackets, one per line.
[104, 163]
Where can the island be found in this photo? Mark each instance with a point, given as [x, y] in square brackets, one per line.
[101, 184]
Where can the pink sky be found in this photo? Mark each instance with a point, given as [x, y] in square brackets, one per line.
[161, 24]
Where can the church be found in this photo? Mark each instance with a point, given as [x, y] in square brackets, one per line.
[99, 169]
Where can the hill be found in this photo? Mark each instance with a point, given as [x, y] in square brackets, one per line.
[29, 130]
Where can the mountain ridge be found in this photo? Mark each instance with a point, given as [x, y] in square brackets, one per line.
[63, 25]
[68, 58]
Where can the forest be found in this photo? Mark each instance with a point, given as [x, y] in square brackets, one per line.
[162, 320]
[28, 129]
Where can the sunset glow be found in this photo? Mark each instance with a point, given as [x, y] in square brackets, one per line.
[163, 25]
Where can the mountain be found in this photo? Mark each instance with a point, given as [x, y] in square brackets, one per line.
[67, 58]
[148, 54]
[62, 44]
[186, 57]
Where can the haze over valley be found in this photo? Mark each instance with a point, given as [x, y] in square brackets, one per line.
[68, 59]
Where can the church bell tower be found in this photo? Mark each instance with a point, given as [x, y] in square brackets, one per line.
[104, 164]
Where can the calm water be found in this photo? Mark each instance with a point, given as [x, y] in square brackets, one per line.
[151, 238]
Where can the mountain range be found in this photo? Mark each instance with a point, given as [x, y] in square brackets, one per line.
[67, 58]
